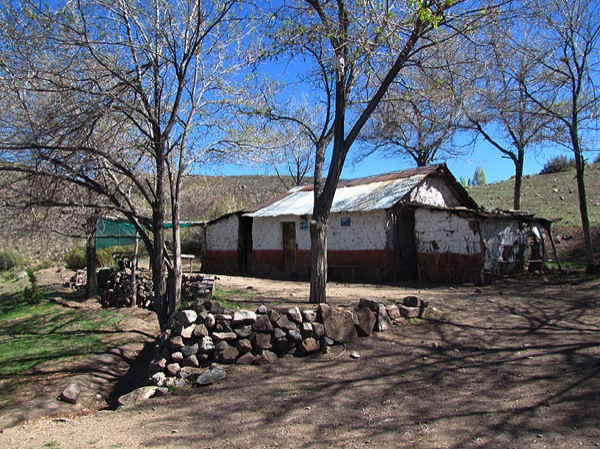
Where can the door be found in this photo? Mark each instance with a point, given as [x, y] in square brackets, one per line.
[405, 245]
[245, 244]
[290, 247]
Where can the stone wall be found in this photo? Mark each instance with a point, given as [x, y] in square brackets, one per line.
[212, 333]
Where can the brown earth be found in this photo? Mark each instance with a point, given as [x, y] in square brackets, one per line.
[511, 365]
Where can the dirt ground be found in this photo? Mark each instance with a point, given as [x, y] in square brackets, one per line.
[511, 365]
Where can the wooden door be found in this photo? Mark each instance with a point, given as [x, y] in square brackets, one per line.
[290, 247]
[405, 245]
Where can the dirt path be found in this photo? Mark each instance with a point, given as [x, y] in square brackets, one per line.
[513, 365]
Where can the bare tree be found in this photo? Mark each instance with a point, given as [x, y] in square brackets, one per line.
[565, 41]
[496, 105]
[348, 53]
[118, 97]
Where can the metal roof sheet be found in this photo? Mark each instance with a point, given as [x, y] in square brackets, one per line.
[375, 194]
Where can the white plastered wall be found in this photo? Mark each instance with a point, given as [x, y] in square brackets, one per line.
[505, 242]
[434, 192]
[439, 232]
[223, 234]
[367, 231]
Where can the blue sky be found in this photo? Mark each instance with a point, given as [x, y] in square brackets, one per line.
[495, 167]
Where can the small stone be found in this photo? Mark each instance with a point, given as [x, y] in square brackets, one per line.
[265, 358]
[227, 355]
[177, 357]
[176, 343]
[244, 331]
[309, 315]
[190, 360]
[369, 303]
[261, 341]
[279, 333]
[309, 345]
[190, 350]
[294, 314]
[306, 329]
[141, 394]
[273, 315]
[206, 344]
[212, 375]
[187, 317]
[200, 331]
[227, 336]
[173, 369]
[262, 324]
[383, 319]
[243, 317]
[294, 336]
[71, 393]
[285, 323]
[210, 321]
[354, 355]
[411, 301]
[244, 345]
[245, 359]
[394, 312]
[262, 309]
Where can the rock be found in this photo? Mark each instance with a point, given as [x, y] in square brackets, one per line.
[224, 316]
[176, 343]
[273, 315]
[411, 301]
[265, 358]
[71, 393]
[206, 345]
[309, 315]
[244, 346]
[228, 355]
[190, 373]
[365, 321]
[245, 359]
[262, 324]
[383, 319]
[283, 345]
[339, 324]
[409, 312]
[294, 336]
[294, 314]
[223, 326]
[141, 394]
[190, 360]
[187, 332]
[262, 309]
[394, 312]
[173, 369]
[309, 345]
[369, 303]
[158, 365]
[261, 341]
[200, 331]
[244, 317]
[177, 357]
[187, 317]
[318, 330]
[221, 345]
[210, 321]
[244, 331]
[210, 376]
[284, 323]
[326, 341]
[279, 333]
[227, 336]
[157, 379]
[354, 355]
[306, 329]
[190, 350]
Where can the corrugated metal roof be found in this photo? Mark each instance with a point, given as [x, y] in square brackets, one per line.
[361, 195]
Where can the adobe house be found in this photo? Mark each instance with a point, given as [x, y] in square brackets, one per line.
[412, 224]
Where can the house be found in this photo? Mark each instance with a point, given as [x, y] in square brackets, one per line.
[412, 224]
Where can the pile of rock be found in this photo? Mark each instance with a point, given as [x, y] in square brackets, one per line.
[212, 333]
[78, 280]
[116, 288]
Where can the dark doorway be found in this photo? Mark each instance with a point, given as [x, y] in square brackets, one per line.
[245, 244]
[290, 247]
[405, 246]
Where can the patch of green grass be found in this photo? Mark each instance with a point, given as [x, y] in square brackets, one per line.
[232, 299]
[53, 444]
[35, 332]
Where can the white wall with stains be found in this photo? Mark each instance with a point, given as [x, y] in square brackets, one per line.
[223, 235]
[434, 192]
[366, 230]
[439, 232]
[505, 241]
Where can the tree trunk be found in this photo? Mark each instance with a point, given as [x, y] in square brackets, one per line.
[134, 271]
[585, 221]
[176, 273]
[91, 286]
[318, 267]
[161, 299]
[518, 182]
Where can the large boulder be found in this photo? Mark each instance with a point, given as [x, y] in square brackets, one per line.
[338, 323]
[365, 321]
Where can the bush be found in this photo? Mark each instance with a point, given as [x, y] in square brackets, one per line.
[76, 258]
[9, 259]
[558, 164]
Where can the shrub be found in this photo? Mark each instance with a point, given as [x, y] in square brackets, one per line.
[558, 164]
[9, 259]
[76, 258]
